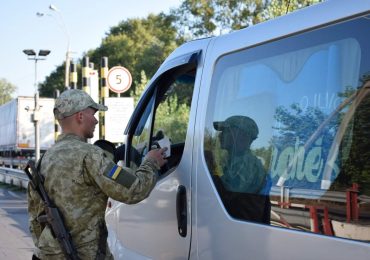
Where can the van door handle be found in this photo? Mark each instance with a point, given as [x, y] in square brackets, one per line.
[181, 211]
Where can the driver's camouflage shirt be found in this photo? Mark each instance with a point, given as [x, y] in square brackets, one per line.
[79, 178]
[244, 174]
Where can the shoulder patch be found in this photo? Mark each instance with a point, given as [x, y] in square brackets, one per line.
[119, 175]
[114, 172]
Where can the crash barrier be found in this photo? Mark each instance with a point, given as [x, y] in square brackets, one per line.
[350, 196]
[16, 163]
[18, 178]
[13, 177]
[319, 214]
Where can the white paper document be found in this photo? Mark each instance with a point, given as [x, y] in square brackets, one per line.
[165, 142]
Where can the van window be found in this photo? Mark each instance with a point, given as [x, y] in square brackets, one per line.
[166, 115]
[287, 132]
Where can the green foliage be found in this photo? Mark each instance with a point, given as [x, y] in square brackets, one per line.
[172, 114]
[52, 82]
[140, 86]
[265, 153]
[356, 166]
[353, 155]
[296, 123]
[280, 7]
[6, 91]
[137, 44]
[206, 18]
[200, 18]
[143, 44]
[174, 126]
[215, 156]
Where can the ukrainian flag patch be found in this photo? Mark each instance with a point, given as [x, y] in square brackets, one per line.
[114, 172]
[119, 175]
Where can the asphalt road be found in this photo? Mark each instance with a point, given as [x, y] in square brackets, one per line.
[15, 239]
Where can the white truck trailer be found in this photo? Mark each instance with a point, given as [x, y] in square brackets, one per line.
[17, 130]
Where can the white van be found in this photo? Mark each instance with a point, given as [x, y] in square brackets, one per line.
[270, 144]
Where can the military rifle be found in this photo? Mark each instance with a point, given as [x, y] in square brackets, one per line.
[52, 216]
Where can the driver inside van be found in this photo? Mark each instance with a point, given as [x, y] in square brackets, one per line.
[242, 184]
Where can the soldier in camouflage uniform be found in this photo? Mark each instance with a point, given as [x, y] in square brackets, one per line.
[244, 180]
[79, 178]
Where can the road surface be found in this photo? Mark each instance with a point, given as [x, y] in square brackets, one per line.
[15, 239]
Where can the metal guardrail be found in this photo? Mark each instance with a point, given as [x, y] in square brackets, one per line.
[13, 162]
[18, 178]
[333, 196]
[14, 177]
[309, 194]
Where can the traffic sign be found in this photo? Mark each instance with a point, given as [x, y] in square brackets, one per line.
[119, 79]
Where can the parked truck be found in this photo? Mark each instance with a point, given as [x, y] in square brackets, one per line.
[17, 130]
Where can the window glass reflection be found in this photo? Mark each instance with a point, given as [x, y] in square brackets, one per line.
[288, 131]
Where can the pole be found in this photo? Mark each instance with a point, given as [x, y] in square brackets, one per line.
[73, 76]
[36, 117]
[36, 111]
[56, 124]
[68, 58]
[85, 74]
[68, 61]
[104, 92]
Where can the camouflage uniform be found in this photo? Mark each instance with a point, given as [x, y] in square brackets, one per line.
[243, 171]
[79, 178]
[244, 174]
[243, 183]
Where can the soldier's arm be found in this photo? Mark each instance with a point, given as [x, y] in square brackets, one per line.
[121, 183]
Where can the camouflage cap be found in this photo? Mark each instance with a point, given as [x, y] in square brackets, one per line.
[72, 101]
[243, 123]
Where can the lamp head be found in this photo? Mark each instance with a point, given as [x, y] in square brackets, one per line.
[53, 8]
[29, 52]
[44, 52]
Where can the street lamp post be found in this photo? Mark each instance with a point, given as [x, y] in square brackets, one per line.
[41, 55]
[68, 58]
[68, 52]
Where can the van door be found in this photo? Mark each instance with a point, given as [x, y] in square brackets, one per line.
[283, 166]
[160, 226]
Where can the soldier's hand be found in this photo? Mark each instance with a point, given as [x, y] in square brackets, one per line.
[158, 155]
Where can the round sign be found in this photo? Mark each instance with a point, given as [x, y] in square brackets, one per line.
[119, 79]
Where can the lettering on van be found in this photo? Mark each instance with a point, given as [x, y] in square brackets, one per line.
[297, 163]
[323, 101]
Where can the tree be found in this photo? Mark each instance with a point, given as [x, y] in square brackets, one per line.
[356, 166]
[7, 89]
[280, 7]
[296, 123]
[206, 18]
[52, 82]
[140, 45]
[297, 127]
[202, 18]
[143, 44]
[140, 86]
[137, 44]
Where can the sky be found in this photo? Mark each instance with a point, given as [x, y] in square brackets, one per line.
[82, 23]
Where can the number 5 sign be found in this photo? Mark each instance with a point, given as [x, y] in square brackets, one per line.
[119, 79]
